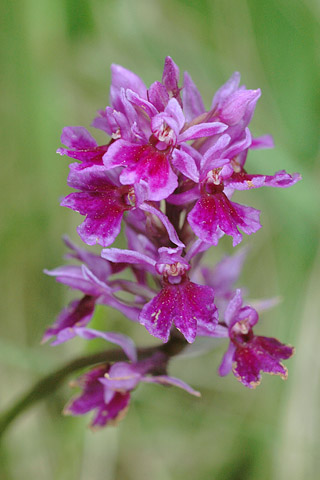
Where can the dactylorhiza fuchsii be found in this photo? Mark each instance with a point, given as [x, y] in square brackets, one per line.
[166, 172]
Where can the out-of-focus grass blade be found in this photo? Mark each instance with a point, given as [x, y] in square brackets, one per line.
[297, 445]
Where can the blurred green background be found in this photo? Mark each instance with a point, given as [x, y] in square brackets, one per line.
[55, 59]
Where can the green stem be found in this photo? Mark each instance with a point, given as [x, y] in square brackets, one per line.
[51, 382]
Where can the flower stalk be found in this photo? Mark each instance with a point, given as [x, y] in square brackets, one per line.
[50, 383]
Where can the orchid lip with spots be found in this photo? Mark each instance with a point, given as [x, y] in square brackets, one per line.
[166, 171]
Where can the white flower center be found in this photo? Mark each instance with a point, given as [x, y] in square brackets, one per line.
[241, 327]
[172, 269]
[165, 134]
[116, 134]
[131, 197]
[214, 176]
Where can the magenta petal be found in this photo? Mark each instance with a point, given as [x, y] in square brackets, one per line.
[92, 179]
[246, 218]
[123, 78]
[158, 96]
[204, 220]
[122, 376]
[183, 304]
[265, 141]
[139, 242]
[281, 179]
[184, 197]
[92, 156]
[198, 246]
[144, 162]
[213, 211]
[104, 214]
[251, 360]
[100, 201]
[226, 90]
[165, 221]
[185, 147]
[225, 273]
[234, 109]
[174, 110]
[170, 76]
[186, 164]
[119, 255]
[230, 315]
[216, 151]
[202, 130]
[101, 122]
[113, 412]
[61, 337]
[92, 394]
[247, 368]
[129, 312]
[226, 364]
[171, 381]
[197, 302]
[240, 145]
[122, 124]
[220, 331]
[115, 120]
[157, 315]
[92, 398]
[278, 350]
[145, 105]
[78, 138]
[81, 145]
[98, 266]
[72, 276]
[154, 168]
[101, 285]
[78, 312]
[257, 354]
[103, 231]
[243, 181]
[192, 101]
[123, 341]
[120, 153]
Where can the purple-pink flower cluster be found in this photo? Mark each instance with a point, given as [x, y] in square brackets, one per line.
[167, 172]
